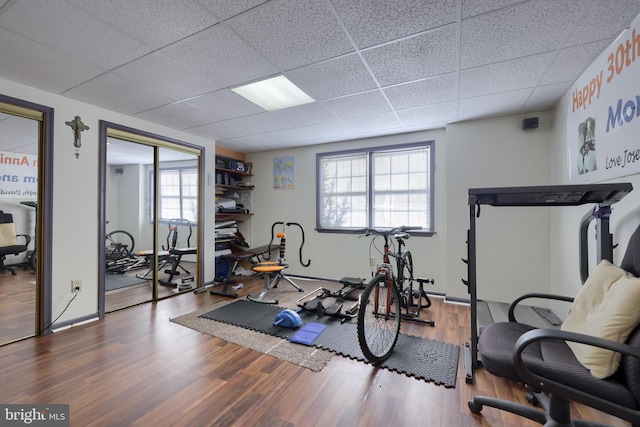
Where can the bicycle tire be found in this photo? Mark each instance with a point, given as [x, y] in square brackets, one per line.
[378, 332]
[405, 278]
[119, 245]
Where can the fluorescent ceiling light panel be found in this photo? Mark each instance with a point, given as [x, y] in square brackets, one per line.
[274, 93]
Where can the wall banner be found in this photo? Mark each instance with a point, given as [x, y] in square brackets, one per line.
[603, 123]
[18, 175]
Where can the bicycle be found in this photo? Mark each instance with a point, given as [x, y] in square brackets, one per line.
[386, 295]
[119, 253]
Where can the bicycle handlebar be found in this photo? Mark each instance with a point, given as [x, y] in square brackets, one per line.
[397, 232]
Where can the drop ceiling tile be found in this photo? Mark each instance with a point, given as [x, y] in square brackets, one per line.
[219, 53]
[68, 29]
[303, 115]
[415, 58]
[179, 116]
[258, 123]
[572, 61]
[423, 92]
[345, 75]
[293, 33]
[116, 93]
[363, 104]
[219, 130]
[478, 7]
[544, 97]
[374, 22]
[525, 29]
[168, 76]
[225, 103]
[603, 21]
[31, 63]
[493, 105]
[374, 123]
[424, 116]
[504, 76]
[225, 9]
[154, 22]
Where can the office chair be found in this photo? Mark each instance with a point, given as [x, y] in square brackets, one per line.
[9, 241]
[546, 360]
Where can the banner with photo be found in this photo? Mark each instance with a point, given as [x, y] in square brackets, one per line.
[603, 124]
[18, 175]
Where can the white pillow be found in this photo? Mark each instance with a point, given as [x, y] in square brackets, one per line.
[607, 306]
[8, 234]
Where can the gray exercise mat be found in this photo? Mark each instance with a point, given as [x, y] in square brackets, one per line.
[422, 358]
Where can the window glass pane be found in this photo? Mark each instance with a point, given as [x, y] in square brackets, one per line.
[398, 192]
[178, 194]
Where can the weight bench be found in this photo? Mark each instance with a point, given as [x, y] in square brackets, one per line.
[251, 255]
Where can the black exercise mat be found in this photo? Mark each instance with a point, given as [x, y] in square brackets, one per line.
[118, 281]
[422, 358]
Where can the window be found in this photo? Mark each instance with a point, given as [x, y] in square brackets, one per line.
[178, 194]
[384, 187]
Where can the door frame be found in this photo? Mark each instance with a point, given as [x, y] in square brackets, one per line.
[157, 141]
[44, 217]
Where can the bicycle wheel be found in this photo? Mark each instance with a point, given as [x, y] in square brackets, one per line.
[405, 278]
[379, 319]
[119, 245]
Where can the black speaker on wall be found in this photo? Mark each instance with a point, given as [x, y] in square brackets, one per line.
[530, 123]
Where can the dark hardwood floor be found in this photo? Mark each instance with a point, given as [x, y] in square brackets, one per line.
[137, 368]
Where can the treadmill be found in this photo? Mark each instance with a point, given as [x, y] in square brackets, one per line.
[601, 196]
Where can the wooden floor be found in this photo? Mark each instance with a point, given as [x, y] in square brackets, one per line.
[137, 368]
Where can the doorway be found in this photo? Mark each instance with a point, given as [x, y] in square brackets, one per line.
[151, 209]
[25, 195]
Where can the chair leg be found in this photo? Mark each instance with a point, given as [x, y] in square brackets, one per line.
[291, 281]
[270, 281]
[515, 408]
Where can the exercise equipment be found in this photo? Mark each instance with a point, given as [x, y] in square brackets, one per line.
[271, 271]
[177, 252]
[252, 255]
[324, 302]
[288, 318]
[601, 195]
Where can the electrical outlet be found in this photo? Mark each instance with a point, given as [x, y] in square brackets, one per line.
[76, 285]
[372, 262]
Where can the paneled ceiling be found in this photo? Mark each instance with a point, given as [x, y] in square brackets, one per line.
[373, 67]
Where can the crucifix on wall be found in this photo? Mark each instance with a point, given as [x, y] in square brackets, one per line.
[78, 127]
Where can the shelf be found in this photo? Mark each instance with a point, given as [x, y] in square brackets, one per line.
[225, 187]
[234, 172]
[236, 216]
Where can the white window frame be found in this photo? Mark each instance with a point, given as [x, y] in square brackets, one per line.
[184, 201]
[378, 187]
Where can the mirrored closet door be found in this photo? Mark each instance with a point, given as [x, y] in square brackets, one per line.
[152, 192]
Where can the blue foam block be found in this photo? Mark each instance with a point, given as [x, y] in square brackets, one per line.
[308, 333]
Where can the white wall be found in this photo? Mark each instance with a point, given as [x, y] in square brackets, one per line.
[485, 153]
[75, 195]
[337, 255]
[512, 243]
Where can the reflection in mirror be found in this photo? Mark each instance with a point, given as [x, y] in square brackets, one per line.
[19, 138]
[128, 224]
[178, 217]
[136, 271]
